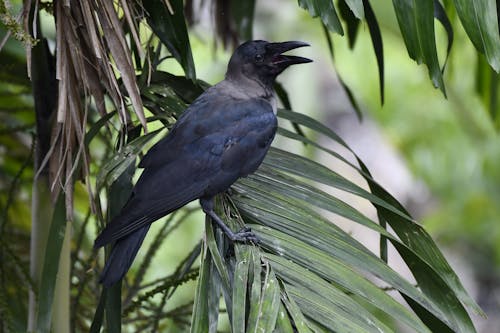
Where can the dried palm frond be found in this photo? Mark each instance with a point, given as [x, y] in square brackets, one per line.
[93, 59]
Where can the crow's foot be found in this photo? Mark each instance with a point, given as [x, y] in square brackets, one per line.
[245, 235]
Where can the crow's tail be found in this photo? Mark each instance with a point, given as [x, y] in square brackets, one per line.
[122, 255]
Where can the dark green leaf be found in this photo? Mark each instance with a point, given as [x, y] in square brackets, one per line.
[119, 192]
[283, 324]
[119, 163]
[15, 70]
[348, 280]
[171, 28]
[487, 88]
[267, 206]
[301, 323]
[493, 105]
[411, 234]
[187, 90]
[240, 284]
[309, 169]
[97, 127]
[378, 46]
[214, 293]
[480, 21]
[437, 289]
[163, 103]
[283, 96]
[416, 22]
[329, 43]
[432, 272]
[51, 266]
[405, 13]
[351, 98]
[424, 12]
[418, 240]
[219, 275]
[255, 291]
[216, 257]
[325, 264]
[440, 15]
[311, 123]
[351, 21]
[199, 320]
[430, 320]
[357, 7]
[267, 306]
[334, 309]
[326, 11]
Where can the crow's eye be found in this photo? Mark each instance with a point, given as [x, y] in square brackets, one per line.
[259, 57]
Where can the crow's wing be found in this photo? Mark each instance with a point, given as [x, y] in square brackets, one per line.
[250, 148]
[213, 112]
[184, 130]
[157, 193]
[209, 150]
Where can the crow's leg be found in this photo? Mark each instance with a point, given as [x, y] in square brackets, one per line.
[244, 235]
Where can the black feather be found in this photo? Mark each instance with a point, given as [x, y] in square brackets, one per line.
[222, 136]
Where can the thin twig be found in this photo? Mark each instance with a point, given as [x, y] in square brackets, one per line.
[5, 39]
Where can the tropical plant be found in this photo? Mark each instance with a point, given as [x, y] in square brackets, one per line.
[95, 101]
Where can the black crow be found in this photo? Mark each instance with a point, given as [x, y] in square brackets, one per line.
[222, 136]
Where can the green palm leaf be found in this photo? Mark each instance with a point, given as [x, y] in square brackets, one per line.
[306, 274]
[307, 271]
[311, 257]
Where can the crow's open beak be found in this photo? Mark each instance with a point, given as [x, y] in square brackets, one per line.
[283, 61]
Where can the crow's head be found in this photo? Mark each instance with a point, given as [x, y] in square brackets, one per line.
[263, 61]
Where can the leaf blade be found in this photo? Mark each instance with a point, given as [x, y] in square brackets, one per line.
[171, 28]
[51, 266]
[326, 11]
[199, 319]
[269, 303]
[378, 46]
[416, 22]
[480, 21]
[240, 284]
[421, 244]
[357, 7]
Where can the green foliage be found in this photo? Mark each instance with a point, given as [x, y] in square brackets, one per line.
[306, 274]
[326, 11]
[480, 21]
[416, 20]
[50, 268]
[168, 23]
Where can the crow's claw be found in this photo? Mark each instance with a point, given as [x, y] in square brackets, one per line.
[246, 235]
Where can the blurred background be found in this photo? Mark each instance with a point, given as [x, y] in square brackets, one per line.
[439, 156]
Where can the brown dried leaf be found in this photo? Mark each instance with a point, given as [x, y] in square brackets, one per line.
[132, 26]
[119, 49]
[90, 44]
